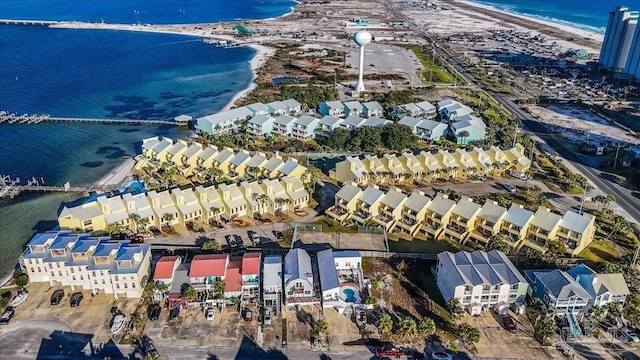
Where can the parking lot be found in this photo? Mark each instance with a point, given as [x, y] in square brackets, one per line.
[191, 328]
[91, 318]
[496, 341]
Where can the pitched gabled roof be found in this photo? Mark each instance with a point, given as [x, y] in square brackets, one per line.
[417, 201]
[165, 267]
[291, 103]
[426, 106]
[545, 219]
[329, 120]
[394, 198]
[409, 121]
[517, 215]
[297, 265]
[478, 268]
[251, 263]
[208, 265]
[327, 270]
[560, 284]
[466, 208]
[491, 212]
[370, 195]
[575, 222]
[233, 278]
[372, 105]
[348, 192]
[441, 205]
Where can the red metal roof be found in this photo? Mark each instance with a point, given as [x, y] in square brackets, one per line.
[233, 280]
[251, 263]
[208, 265]
[164, 268]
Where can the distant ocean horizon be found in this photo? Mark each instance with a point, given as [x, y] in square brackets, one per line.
[104, 74]
[583, 14]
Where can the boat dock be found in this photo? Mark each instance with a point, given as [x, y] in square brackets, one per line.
[116, 179]
[13, 118]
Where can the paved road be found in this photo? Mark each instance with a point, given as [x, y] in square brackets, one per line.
[624, 198]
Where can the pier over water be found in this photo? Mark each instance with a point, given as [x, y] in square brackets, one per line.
[13, 118]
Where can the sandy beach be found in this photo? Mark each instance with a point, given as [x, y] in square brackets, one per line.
[262, 54]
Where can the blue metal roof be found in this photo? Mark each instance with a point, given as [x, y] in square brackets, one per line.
[105, 248]
[61, 242]
[43, 238]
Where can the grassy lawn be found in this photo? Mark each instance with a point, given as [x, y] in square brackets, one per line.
[330, 225]
[600, 251]
[435, 72]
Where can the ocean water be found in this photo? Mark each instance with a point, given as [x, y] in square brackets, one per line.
[104, 74]
[589, 15]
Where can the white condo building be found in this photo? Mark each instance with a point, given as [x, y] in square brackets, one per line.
[620, 47]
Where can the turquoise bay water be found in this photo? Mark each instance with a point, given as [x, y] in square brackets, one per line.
[585, 14]
[105, 74]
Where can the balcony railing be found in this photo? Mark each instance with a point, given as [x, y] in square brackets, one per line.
[362, 214]
[456, 228]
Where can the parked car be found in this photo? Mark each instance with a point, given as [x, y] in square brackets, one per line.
[247, 315]
[254, 237]
[389, 351]
[7, 315]
[278, 234]
[154, 230]
[441, 355]
[510, 187]
[518, 175]
[231, 241]
[509, 323]
[239, 241]
[629, 335]
[57, 296]
[266, 317]
[76, 298]
[174, 313]
[153, 312]
[209, 313]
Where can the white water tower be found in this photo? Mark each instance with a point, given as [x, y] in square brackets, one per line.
[362, 38]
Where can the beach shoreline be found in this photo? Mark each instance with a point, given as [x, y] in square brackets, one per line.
[594, 38]
[262, 54]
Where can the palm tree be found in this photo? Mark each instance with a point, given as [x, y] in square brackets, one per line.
[620, 225]
[214, 174]
[251, 170]
[167, 217]
[463, 135]
[134, 218]
[144, 222]
[190, 293]
[218, 288]
[599, 199]
[215, 211]
[114, 228]
[607, 200]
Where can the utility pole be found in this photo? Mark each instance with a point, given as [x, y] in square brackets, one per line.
[615, 162]
[584, 194]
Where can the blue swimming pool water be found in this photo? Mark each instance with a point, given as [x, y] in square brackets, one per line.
[350, 295]
[134, 187]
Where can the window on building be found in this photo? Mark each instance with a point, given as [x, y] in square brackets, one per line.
[95, 281]
[50, 266]
[71, 269]
[93, 273]
[125, 286]
[58, 264]
[515, 286]
[73, 278]
[103, 282]
[30, 262]
[117, 286]
[486, 287]
[81, 277]
[60, 273]
[53, 273]
[32, 270]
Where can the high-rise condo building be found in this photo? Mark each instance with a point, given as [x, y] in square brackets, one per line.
[620, 46]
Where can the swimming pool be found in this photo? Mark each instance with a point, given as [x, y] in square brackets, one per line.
[135, 188]
[350, 294]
